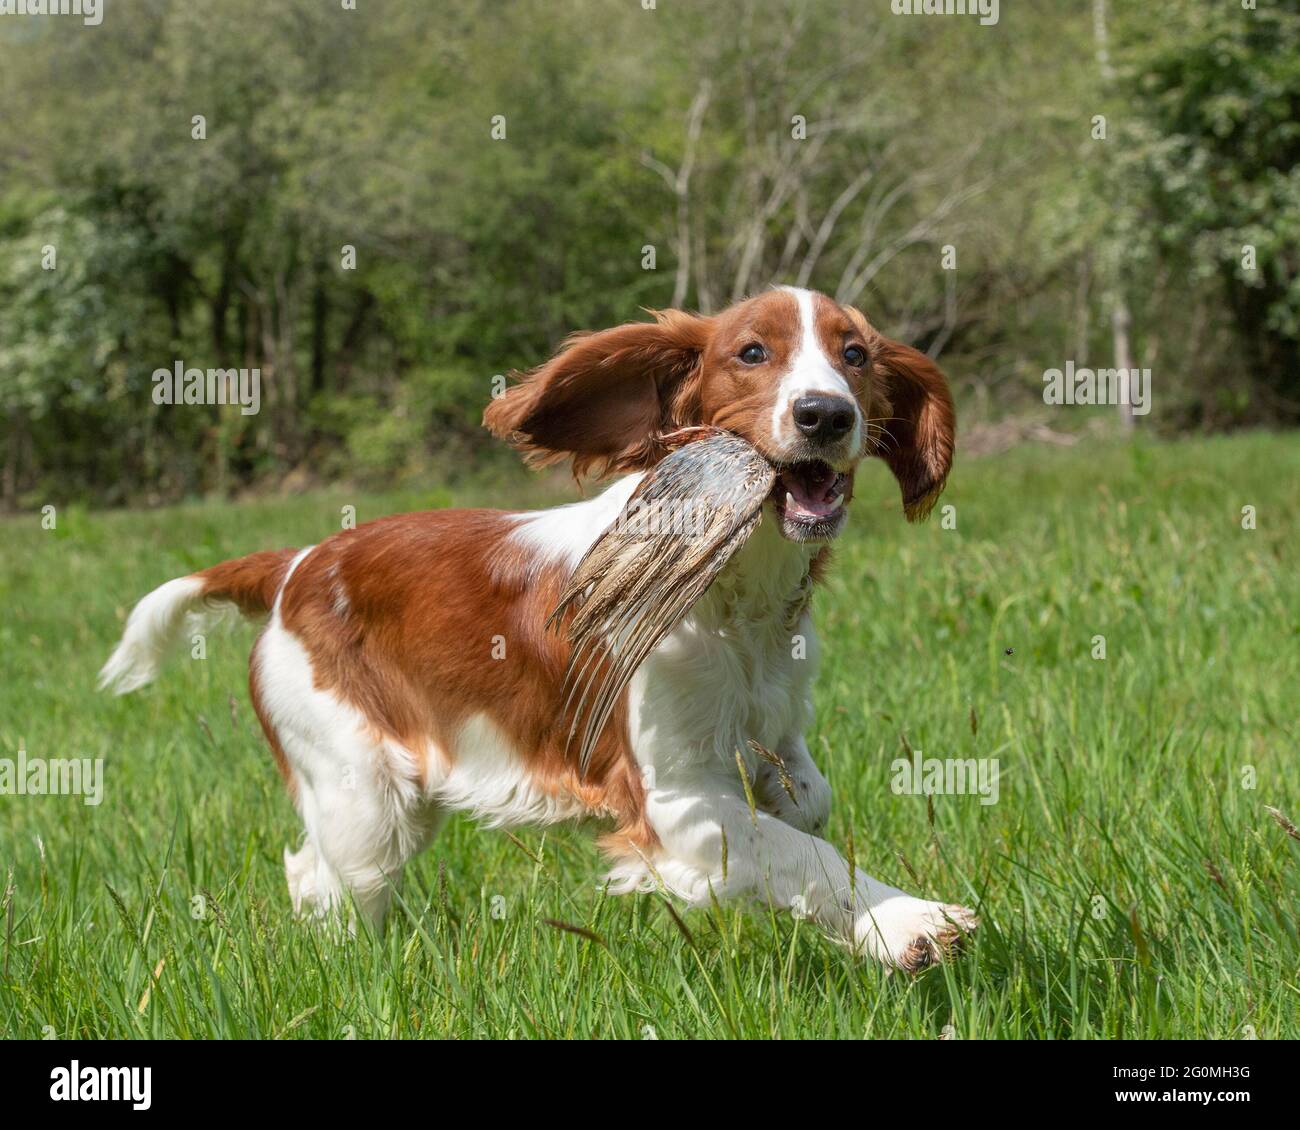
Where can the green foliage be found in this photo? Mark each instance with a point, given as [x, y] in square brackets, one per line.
[673, 128]
[1220, 94]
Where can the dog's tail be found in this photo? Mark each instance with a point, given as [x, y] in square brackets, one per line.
[249, 584]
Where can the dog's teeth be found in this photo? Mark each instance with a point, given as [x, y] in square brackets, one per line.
[839, 501]
[789, 501]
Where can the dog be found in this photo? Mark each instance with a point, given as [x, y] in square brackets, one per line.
[405, 670]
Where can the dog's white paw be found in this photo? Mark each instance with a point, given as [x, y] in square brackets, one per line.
[910, 933]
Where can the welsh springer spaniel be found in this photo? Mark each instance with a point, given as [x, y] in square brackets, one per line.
[405, 671]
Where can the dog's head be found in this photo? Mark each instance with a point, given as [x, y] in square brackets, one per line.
[809, 383]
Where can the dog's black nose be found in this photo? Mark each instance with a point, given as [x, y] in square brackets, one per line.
[824, 418]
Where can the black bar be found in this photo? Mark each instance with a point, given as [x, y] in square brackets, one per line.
[334, 1078]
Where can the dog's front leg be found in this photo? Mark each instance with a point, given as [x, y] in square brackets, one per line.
[789, 785]
[713, 842]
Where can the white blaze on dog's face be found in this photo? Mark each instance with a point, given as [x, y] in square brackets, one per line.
[815, 400]
[790, 372]
[805, 380]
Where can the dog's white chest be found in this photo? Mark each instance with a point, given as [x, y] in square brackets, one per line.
[740, 667]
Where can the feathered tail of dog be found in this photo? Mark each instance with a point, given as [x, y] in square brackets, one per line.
[249, 584]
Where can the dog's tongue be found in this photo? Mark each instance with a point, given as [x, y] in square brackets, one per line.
[811, 490]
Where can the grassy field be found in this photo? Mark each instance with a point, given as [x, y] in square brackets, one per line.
[1130, 880]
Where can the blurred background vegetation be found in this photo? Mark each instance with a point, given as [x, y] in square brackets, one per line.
[625, 128]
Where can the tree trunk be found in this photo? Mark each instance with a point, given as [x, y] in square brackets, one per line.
[1120, 321]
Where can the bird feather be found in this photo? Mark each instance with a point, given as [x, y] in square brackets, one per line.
[643, 575]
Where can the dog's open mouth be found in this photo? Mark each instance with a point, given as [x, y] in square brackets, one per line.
[809, 499]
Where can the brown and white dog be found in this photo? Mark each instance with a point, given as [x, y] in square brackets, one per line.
[405, 671]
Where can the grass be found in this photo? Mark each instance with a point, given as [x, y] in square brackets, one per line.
[1130, 880]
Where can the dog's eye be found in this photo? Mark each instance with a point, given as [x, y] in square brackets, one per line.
[856, 356]
[753, 355]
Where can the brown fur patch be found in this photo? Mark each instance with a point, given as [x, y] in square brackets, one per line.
[250, 582]
[444, 620]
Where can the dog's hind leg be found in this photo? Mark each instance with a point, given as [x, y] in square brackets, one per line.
[360, 794]
[314, 888]
[358, 838]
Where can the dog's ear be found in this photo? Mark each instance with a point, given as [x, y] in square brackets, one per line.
[914, 424]
[606, 397]
[911, 422]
